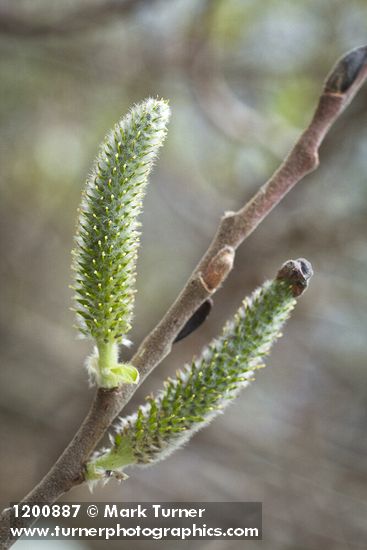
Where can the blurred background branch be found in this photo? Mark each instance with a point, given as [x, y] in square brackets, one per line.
[85, 16]
[223, 109]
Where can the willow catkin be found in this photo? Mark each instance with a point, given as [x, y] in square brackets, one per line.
[108, 236]
[201, 390]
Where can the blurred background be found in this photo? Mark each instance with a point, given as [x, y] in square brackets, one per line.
[242, 78]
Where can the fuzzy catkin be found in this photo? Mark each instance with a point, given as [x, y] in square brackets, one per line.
[201, 390]
[108, 238]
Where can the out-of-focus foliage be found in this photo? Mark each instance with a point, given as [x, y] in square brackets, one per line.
[242, 77]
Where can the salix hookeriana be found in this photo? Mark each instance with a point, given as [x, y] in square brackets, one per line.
[199, 391]
[108, 237]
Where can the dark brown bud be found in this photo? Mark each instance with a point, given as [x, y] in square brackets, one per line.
[297, 273]
[196, 320]
[346, 71]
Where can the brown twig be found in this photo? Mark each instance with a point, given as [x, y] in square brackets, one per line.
[341, 85]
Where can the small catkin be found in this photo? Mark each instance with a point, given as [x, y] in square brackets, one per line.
[201, 390]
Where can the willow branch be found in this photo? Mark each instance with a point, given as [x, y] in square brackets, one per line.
[341, 86]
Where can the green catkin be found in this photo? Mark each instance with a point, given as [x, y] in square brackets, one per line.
[108, 237]
[201, 390]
